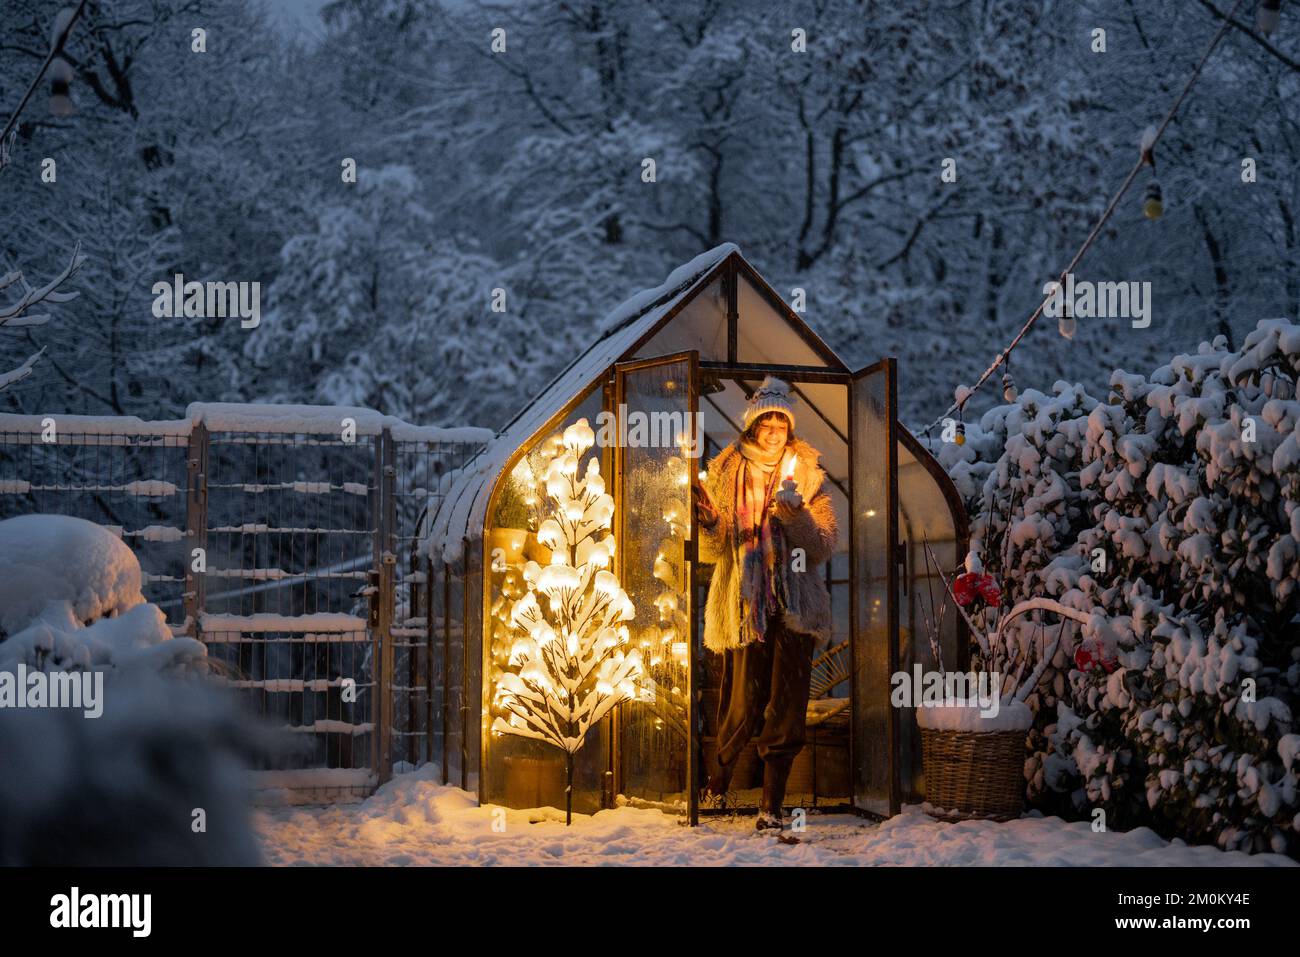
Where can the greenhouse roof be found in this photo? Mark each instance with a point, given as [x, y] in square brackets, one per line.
[672, 317]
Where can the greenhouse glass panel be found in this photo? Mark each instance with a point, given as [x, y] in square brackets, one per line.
[875, 575]
[655, 525]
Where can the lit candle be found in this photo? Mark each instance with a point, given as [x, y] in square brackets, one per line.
[789, 493]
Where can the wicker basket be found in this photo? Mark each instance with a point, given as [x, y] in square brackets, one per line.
[974, 774]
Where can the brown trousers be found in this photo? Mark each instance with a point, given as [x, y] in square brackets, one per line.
[765, 692]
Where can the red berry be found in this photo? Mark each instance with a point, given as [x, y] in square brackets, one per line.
[964, 588]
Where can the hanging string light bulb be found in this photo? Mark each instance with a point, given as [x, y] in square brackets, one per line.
[960, 437]
[1153, 206]
[60, 74]
[1266, 16]
[1009, 390]
[1066, 325]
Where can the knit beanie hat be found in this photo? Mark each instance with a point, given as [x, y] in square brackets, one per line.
[772, 396]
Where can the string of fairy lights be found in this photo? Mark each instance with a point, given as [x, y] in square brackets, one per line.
[1267, 15]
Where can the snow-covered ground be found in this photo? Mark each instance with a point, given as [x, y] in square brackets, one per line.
[415, 820]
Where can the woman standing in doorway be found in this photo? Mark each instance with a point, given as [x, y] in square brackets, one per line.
[768, 602]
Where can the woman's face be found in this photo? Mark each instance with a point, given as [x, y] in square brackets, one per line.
[772, 432]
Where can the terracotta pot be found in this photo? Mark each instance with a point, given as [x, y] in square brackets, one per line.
[511, 541]
[535, 782]
[536, 551]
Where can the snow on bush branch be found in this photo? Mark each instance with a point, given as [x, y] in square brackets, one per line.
[1169, 515]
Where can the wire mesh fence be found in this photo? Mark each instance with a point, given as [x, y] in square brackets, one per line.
[132, 482]
[291, 555]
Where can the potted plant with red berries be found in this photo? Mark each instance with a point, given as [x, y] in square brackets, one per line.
[973, 744]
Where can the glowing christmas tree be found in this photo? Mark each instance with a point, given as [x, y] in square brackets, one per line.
[570, 660]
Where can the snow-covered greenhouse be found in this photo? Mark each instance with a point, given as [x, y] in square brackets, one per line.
[692, 351]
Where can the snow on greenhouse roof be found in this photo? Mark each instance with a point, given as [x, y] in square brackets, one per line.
[466, 499]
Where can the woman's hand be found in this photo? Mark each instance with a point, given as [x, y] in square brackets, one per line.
[706, 513]
[783, 509]
[787, 502]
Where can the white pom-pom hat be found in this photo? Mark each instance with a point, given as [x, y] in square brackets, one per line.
[773, 395]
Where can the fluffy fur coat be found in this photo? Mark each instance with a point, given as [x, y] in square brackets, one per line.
[813, 529]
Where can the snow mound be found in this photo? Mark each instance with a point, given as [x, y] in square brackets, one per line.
[116, 787]
[56, 559]
[70, 598]
[137, 638]
[121, 789]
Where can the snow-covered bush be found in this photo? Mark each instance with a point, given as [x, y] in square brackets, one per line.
[122, 786]
[1170, 513]
[70, 598]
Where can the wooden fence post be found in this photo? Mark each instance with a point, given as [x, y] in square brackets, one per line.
[196, 524]
[386, 564]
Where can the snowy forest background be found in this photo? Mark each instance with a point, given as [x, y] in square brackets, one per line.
[523, 172]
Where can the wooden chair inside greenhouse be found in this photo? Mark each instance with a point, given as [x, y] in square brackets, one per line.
[691, 352]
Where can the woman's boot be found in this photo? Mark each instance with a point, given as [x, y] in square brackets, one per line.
[770, 812]
[719, 782]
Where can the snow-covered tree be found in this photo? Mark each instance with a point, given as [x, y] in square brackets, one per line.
[18, 313]
[569, 661]
[172, 162]
[820, 152]
[380, 310]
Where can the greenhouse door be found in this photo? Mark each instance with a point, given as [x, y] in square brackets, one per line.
[874, 731]
[655, 456]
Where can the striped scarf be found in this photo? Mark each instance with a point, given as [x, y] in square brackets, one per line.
[759, 542]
